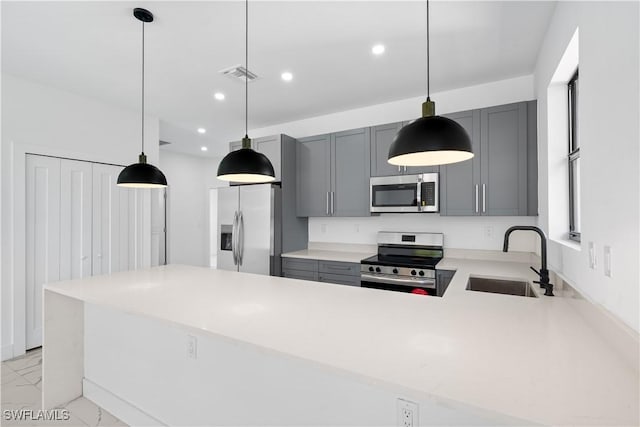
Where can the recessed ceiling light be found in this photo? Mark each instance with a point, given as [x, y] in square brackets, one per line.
[202, 130]
[378, 49]
[286, 76]
[203, 148]
[219, 96]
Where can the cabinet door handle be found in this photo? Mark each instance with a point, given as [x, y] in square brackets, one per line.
[332, 197]
[327, 199]
[399, 169]
[405, 169]
[484, 198]
[476, 198]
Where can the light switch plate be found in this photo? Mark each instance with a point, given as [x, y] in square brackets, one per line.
[607, 261]
[592, 256]
[192, 347]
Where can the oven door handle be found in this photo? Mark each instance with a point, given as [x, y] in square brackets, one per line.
[425, 283]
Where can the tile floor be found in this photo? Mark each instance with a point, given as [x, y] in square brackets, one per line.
[21, 389]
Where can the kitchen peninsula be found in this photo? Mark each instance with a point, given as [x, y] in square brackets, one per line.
[194, 346]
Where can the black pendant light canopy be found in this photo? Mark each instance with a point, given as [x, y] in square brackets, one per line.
[430, 140]
[246, 165]
[142, 174]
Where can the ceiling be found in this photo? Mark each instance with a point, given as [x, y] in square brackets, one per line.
[93, 48]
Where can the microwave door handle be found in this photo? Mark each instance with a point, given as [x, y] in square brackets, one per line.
[419, 196]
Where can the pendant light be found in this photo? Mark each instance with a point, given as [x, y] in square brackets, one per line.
[430, 140]
[142, 174]
[246, 165]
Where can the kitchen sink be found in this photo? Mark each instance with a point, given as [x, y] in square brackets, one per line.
[501, 286]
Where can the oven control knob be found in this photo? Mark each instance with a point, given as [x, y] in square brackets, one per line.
[395, 271]
[370, 268]
[413, 272]
[421, 273]
[377, 269]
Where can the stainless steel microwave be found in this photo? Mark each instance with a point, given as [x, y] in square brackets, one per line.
[404, 193]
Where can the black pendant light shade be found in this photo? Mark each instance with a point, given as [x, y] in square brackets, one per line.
[246, 165]
[142, 174]
[432, 140]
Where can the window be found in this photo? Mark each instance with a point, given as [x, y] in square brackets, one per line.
[574, 159]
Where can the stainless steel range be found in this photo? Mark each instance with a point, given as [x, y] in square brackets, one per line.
[406, 262]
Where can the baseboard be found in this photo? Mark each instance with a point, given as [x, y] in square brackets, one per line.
[119, 408]
[7, 352]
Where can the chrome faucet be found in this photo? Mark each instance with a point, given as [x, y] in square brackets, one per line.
[543, 273]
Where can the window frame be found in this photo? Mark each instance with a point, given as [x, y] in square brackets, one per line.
[573, 150]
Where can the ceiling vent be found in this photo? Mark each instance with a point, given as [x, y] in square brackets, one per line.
[164, 143]
[239, 73]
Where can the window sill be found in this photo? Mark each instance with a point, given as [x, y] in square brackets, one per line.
[571, 244]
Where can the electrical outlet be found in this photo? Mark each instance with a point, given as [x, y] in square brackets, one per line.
[607, 261]
[592, 256]
[356, 228]
[323, 228]
[192, 347]
[488, 231]
[407, 413]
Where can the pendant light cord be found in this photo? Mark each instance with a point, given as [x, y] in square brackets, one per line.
[428, 88]
[246, 67]
[142, 87]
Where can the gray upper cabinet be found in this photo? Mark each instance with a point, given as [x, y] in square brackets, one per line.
[496, 181]
[503, 160]
[532, 158]
[235, 145]
[313, 171]
[381, 139]
[270, 146]
[459, 182]
[333, 174]
[350, 173]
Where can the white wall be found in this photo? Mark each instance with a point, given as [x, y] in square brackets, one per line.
[467, 98]
[609, 106]
[188, 229]
[468, 233]
[459, 232]
[44, 120]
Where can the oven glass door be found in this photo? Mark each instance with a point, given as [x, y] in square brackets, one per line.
[429, 290]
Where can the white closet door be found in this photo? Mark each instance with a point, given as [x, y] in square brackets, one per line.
[75, 219]
[116, 219]
[43, 238]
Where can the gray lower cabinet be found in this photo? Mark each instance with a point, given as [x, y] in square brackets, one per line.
[381, 139]
[333, 174]
[496, 181]
[342, 273]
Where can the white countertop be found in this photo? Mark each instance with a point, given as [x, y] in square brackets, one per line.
[539, 359]
[329, 255]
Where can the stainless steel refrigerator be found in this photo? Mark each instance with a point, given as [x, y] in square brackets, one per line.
[250, 228]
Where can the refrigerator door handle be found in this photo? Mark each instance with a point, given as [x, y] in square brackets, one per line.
[240, 239]
[234, 238]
